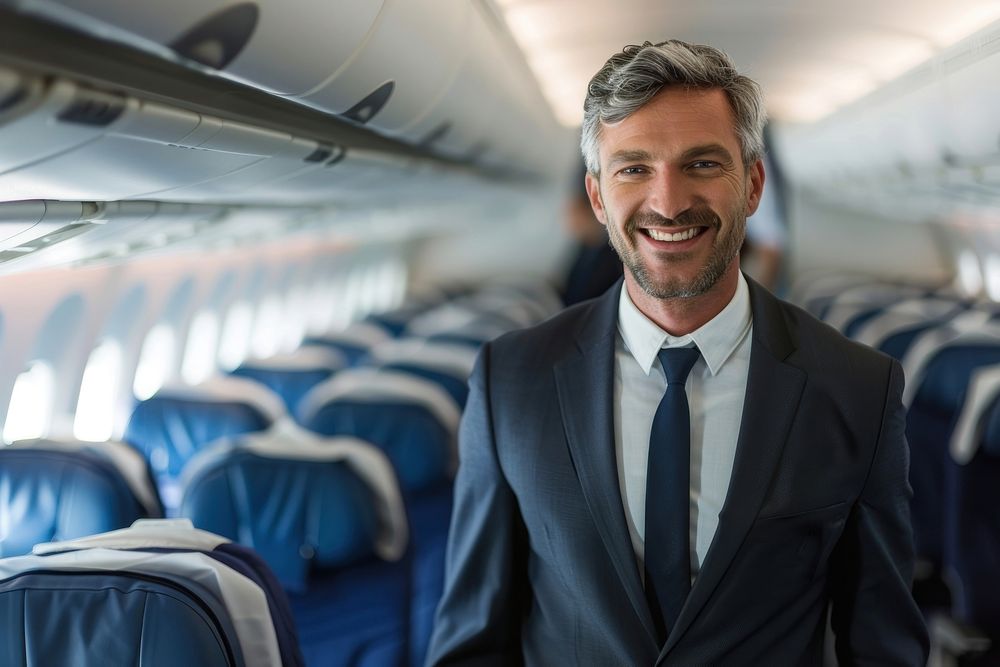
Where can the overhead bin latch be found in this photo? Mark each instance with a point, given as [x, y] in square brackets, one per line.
[365, 110]
[217, 40]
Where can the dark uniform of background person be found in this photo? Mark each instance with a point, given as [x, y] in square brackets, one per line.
[794, 499]
[595, 266]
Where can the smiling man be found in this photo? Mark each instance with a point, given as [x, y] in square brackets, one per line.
[686, 470]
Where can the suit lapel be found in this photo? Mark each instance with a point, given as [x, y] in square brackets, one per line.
[584, 383]
[772, 397]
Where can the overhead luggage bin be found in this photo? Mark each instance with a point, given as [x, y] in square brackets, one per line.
[252, 41]
[404, 66]
[457, 123]
[76, 143]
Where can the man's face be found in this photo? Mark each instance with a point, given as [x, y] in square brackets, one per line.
[673, 191]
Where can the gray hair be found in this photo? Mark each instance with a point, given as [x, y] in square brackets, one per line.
[631, 78]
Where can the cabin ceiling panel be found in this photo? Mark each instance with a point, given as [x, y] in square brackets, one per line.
[791, 46]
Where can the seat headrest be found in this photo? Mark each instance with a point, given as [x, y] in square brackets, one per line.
[412, 419]
[291, 376]
[52, 494]
[299, 512]
[173, 425]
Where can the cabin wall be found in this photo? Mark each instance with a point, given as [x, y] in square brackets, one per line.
[305, 276]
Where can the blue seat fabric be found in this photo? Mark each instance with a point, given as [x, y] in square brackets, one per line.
[290, 385]
[91, 619]
[180, 428]
[930, 423]
[457, 388]
[417, 444]
[354, 355]
[271, 504]
[48, 495]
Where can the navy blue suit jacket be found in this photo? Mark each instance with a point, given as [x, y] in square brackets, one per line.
[540, 564]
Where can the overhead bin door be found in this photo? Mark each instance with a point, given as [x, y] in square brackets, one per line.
[404, 66]
[83, 144]
[459, 122]
[285, 46]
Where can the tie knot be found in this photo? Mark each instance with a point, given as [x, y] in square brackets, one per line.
[677, 363]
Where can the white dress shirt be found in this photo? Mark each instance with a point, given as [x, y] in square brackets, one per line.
[716, 388]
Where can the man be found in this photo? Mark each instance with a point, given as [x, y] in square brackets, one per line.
[607, 516]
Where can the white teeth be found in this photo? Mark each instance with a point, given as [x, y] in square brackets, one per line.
[679, 236]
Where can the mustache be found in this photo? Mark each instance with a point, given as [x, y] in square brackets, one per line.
[699, 216]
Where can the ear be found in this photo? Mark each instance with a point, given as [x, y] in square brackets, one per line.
[594, 194]
[755, 176]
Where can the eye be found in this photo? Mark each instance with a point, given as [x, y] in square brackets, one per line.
[633, 171]
[704, 164]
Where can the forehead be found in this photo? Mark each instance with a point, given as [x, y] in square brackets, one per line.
[674, 120]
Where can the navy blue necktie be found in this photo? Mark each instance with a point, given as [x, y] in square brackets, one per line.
[668, 484]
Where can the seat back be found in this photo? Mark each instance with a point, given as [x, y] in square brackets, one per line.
[411, 419]
[177, 423]
[51, 490]
[291, 376]
[303, 503]
[153, 594]
[972, 534]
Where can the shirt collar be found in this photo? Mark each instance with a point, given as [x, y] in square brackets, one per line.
[716, 339]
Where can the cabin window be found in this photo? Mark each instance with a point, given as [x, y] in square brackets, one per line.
[30, 409]
[970, 274]
[95, 409]
[321, 300]
[156, 361]
[296, 312]
[267, 327]
[992, 271]
[339, 304]
[200, 350]
[234, 345]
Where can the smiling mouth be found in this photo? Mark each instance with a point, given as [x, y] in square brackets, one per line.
[673, 237]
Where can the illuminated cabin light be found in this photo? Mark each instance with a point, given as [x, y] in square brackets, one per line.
[234, 344]
[200, 349]
[95, 408]
[156, 360]
[30, 409]
[970, 274]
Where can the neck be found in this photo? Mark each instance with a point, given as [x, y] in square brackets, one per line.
[680, 316]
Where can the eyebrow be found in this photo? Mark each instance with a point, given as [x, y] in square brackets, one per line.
[639, 155]
[629, 156]
[707, 149]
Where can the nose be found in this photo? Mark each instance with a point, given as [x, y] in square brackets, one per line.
[671, 193]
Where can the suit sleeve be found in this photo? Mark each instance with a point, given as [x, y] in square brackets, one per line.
[478, 618]
[874, 617]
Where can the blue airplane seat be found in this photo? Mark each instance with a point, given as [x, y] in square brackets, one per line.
[456, 386]
[411, 419]
[972, 533]
[935, 398]
[415, 422]
[56, 490]
[291, 376]
[355, 342]
[327, 517]
[176, 423]
[861, 318]
[157, 594]
[448, 366]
